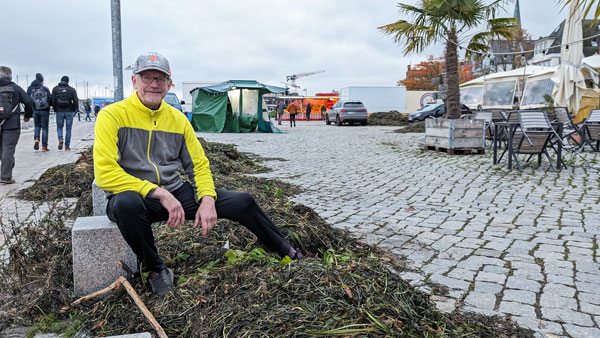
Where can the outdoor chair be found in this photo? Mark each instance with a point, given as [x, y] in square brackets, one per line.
[533, 137]
[591, 130]
[503, 133]
[570, 129]
[488, 124]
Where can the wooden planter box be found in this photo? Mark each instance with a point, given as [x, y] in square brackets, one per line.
[455, 136]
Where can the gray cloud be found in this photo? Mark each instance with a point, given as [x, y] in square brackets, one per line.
[220, 40]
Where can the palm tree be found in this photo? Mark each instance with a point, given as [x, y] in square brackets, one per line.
[444, 20]
[586, 5]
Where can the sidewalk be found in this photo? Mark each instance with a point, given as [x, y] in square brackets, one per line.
[30, 164]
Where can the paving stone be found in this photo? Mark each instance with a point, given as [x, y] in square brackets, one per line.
[479, 300]
[546, 328]
[560, 279]
[516, 308]
[590, 308]
[586, 287]
[559, 290]
[567, 316]
[579, 331]
[485, 287]
[523, 284]
[451, 283]
[491, 277]
[458, 273]
[521, 296]
[554, 301]
[592, 298]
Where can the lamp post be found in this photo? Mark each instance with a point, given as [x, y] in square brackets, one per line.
[115, 11]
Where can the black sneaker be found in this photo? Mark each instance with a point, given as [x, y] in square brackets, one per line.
[162, 282]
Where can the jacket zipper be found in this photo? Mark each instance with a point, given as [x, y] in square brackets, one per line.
[148, 150]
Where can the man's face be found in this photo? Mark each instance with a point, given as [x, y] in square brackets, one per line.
[152, 86]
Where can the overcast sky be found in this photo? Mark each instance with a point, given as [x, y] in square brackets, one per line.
[262, 40]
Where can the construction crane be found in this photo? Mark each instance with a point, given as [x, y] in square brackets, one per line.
[291, 80]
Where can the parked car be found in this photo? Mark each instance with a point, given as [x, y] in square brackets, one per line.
[173, 100]
[434, 110]
[347, 112]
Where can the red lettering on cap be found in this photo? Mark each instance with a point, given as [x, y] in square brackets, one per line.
[153, 57]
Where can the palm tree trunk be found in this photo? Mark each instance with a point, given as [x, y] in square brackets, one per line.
[451, 80]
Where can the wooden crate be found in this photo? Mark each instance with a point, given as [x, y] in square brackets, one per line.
[454, 134]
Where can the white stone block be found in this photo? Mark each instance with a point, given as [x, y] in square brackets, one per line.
[97, 248]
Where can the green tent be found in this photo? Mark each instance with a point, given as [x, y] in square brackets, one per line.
[234, 106]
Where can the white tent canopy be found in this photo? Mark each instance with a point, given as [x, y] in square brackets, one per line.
[569, 79]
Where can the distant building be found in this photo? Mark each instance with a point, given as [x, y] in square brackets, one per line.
[547, 49]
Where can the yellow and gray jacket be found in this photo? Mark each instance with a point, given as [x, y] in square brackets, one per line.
[138, 149]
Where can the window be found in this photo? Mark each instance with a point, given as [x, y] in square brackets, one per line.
[535, 90]
[353, 105]
[500, 93]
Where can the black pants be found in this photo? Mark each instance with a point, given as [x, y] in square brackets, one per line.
[134, 216]
[292, 119]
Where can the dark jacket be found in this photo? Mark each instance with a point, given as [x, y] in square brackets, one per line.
[308, 108]
[280, 107]
[35, 84]
[19, 96]
[74, 100]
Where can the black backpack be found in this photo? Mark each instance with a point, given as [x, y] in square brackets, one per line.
[40, 99]
[63, 98]
[6, 102]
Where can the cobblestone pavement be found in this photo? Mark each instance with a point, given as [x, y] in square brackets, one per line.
[520, 244]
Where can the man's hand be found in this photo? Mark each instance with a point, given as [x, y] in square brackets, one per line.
[26, 119]
[207, 214]
[169, 202]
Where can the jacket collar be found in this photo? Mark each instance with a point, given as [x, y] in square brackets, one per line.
[135, 100]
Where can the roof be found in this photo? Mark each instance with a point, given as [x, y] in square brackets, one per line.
[224, 87]
[588, 31]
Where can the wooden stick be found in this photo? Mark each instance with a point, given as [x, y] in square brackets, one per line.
[114, 286]
[131, 291]
[140, 304]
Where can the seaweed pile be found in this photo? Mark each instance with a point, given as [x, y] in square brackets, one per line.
[415, 127]
[343, 288]
[71, 180]
[391, 118]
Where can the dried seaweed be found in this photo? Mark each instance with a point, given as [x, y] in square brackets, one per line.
[391, 118]
[344, 288]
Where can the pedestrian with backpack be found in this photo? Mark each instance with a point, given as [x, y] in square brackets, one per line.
[66, 104]
[11, 96]
[41, 110]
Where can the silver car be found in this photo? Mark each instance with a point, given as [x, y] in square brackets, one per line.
[347, 112]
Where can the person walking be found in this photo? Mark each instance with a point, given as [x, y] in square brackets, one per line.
[11, 96]
[292, 110]
[280, 108]
[41, 111]
[88, 110]
[308, 110]
[323, 111]
[96, 110]
[65, 103]
[140, 173]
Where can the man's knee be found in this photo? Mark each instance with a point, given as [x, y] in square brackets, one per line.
[245, 201]
[126, 202]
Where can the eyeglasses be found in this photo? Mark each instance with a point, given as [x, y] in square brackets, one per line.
[162, 81]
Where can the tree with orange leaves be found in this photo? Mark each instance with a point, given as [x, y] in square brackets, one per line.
[419, 77]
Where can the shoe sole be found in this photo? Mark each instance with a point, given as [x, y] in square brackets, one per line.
[60, 144]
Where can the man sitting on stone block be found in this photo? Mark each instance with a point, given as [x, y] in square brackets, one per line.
[140, 143]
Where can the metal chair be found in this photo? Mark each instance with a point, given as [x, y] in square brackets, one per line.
[535, 134]
[488, 125]
[591, 130]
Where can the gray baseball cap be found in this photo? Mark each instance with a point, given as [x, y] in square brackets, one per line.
[152, 61]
